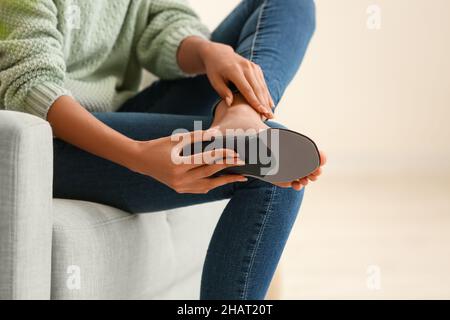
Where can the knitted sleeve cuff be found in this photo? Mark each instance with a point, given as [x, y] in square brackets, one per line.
[169, 59]
[41, 97]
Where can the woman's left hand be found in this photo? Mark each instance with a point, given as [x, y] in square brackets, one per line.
[223, 66]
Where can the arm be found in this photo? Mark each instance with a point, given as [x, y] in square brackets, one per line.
[169, 23]
[74, 124]
[32, 72]
[32, 66]
[175, 44]
[154, 158]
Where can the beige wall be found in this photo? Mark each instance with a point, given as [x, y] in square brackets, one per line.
[378, 101]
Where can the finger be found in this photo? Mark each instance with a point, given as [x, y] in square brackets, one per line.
[214, 183]
[219, 84]
[260, 73]
[197, 136]
[323, 158]
[284, 184]
[219, 156]
[272, 103]
[312, 178]
[187, 139]
[246, 90]
[302, 181]
[210, 170]
[296, 185]
[258, 88]
[317, 173]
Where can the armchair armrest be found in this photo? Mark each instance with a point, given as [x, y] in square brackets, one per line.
[26, 174]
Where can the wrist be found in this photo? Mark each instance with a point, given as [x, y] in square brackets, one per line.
[191, 55]
[204, 49]
[131, 154]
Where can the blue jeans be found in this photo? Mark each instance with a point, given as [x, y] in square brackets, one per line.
[253, 229]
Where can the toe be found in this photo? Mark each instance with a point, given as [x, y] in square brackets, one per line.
[296, 185]
[323, 158]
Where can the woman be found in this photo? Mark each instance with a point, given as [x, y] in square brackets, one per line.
[77, 64]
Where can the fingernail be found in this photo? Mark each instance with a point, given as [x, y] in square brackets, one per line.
[243, 179]
[229, 101]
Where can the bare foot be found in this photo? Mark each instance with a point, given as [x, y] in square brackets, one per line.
[242, 116]
[239, 116]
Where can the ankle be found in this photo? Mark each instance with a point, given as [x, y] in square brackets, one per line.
[239, 108]
[240, 115]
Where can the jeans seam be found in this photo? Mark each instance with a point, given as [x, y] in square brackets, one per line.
[258, 25]
[252, 50]
[258, 241]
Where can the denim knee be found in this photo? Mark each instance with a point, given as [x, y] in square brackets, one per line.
[304, 11]
[287, 195]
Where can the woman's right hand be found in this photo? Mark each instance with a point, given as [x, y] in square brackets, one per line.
[161, 159]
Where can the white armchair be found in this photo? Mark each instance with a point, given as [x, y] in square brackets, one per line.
[65, 249]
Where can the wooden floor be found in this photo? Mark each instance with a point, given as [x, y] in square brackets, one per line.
[370, 238]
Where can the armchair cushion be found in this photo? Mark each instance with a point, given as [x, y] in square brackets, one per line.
[118, 255]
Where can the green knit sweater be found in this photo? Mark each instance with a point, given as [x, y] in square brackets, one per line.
[94, 50]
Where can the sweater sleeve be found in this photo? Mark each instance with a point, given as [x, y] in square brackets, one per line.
[32, 66]
[169, 23]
